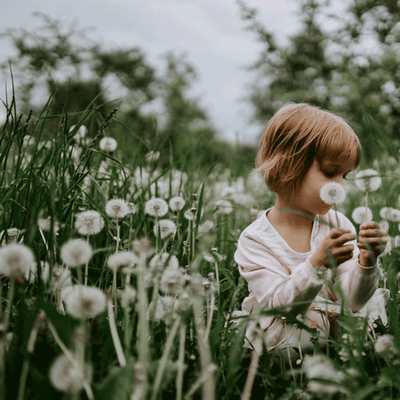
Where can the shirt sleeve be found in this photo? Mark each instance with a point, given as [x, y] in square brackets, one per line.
[356, 282]
[268, 280]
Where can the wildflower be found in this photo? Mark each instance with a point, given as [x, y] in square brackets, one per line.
[164, 307]
[170, 259]
[228, 191]
[142, 247]
[76, 252]
[385, 344]
[89, 222]
[368, 180]
[15, 260]
[223, 207]
[332, 193]
[44, 225]
[132, 209]
[166, 227]
[117, 208]
[208, 257]
[390, 214]
[152, 156]
[12, 234]
[172, 281]
[319, 367]
[60, 278]
[84, 301]
[122, 261]
[108, 144]
[176, 204]
[361, 214]
[156, 207]
[128, 296]
[206, 226]
[32, 273]
[66, 376]
[190, 214]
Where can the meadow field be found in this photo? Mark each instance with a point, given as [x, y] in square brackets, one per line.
[117, 279]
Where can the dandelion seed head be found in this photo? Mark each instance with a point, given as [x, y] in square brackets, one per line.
[320, 367]
[13, 235]
[206, 226]
[390, 214]
[132, 209]
[60, 278]
[128, 296]
[142, 247]
[223, 206]
[66, 377]
[156, 207]
[89, 222]
[332, 193]
[227, 191]
[84, 301]
[152, 156]
[44, 225]
[176, 204]
[15, 260]
[108, 144]
[368, 180]
[76, 252]
[385, 344]
[122, 261]
[172, 281]
[361, 214]
[165, 306]
[32, 273]
[117, 208]
[190, 215]
[166, 227]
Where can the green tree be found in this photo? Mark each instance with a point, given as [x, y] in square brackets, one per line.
[332, 69]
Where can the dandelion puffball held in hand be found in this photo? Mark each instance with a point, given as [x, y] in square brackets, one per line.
[368, 180]
[332, 193]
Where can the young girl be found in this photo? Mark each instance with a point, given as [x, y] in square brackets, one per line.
[286, 254]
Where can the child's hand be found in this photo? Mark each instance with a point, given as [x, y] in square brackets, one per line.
[372, 243]
[333, 246]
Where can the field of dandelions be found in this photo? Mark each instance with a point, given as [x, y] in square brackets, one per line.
[119, 282]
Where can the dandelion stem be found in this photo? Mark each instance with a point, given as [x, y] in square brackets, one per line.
[211, 313]
[181, 362]
[114, 334]
[204, 350]
[251, 376]
[25, 366]
[163, 361]
[143, 330]
[87, 265]
[10, 298]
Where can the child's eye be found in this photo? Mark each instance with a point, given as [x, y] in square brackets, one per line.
[329, 174]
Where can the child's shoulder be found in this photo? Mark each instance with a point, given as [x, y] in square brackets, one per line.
[259, 227]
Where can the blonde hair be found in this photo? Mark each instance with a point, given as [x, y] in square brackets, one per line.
[294, 137]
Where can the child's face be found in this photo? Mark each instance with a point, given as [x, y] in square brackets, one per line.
[308, 196]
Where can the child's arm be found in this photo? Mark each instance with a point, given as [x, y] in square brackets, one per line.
[358, 279]
[270, 282]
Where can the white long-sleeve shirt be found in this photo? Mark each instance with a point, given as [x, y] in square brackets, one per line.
[279, 276]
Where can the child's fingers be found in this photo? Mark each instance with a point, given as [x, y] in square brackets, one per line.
[373, 233]
[370, 225]
[344, 238]
[337, 232]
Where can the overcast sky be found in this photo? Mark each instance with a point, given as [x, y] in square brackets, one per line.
[209, 31]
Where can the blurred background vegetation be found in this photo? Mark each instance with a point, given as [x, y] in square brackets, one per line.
[351, 70]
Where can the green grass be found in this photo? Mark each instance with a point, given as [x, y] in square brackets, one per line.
[172, 357]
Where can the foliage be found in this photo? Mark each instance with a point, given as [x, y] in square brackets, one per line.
[352, 69]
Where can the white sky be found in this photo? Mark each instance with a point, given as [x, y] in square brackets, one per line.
[209, 31]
